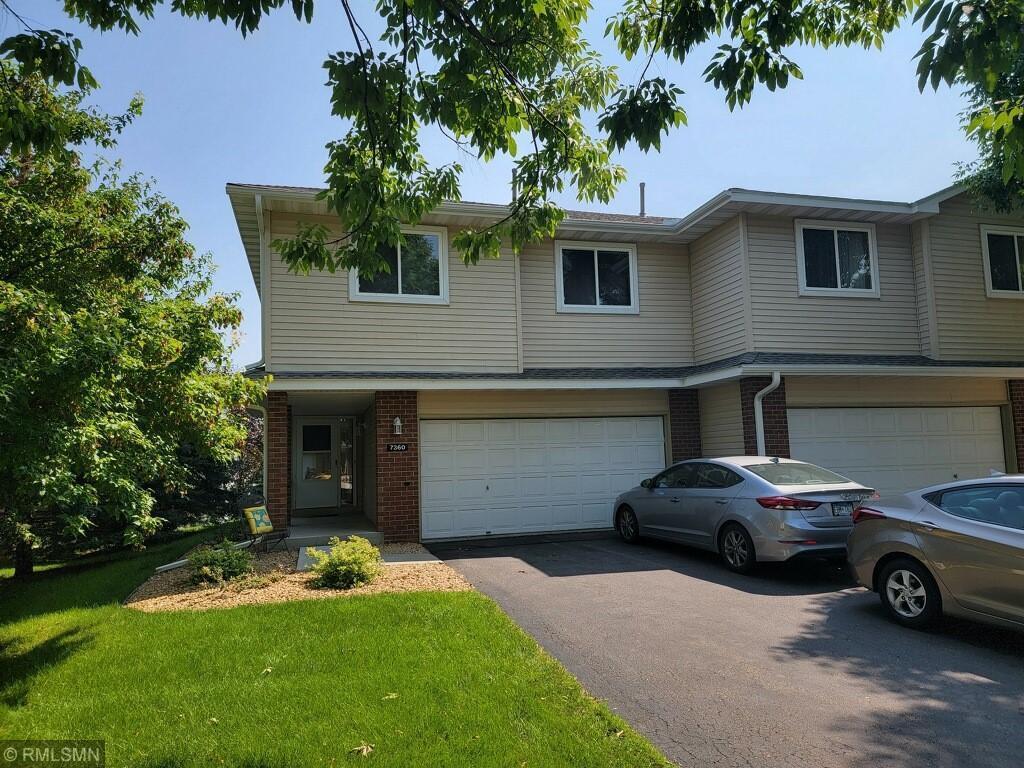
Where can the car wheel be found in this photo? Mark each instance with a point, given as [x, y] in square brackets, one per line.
[737, 549]
[909, 593]
[627, 525]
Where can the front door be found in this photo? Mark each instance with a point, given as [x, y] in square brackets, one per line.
[316, 463]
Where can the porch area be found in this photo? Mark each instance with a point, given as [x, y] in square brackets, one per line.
[324, 454]
[318, 530]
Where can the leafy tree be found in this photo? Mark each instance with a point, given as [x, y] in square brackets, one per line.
[981, 46]
[247, 472]
[111, 344]
[508, 76]
[992, 178]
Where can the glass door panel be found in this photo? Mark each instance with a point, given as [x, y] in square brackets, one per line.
[316, 483]
[347, 462]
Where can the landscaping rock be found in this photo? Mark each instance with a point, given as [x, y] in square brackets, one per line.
[276, 580]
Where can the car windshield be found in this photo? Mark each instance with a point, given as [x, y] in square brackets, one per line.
[796, 474]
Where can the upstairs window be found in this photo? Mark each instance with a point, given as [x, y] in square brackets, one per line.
[418, 270]
[836, 258]
[596, 277]
[1003, 250]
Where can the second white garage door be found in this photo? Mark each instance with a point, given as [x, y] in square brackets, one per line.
[484, 477]
[900, 449]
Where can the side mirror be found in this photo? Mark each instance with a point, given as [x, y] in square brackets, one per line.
[648, 483]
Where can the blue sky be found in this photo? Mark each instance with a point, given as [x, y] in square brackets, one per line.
[220, 108]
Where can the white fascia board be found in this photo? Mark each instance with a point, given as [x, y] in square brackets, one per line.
[714, 377]
[931, 202]
[992, 372]
[823, 201]
[363, 385]
[702, 211]
[699, 380]
[487, 210]
[924, 207]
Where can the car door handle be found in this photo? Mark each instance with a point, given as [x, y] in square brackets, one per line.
[928, 525]
[675, 499]
[721, 501]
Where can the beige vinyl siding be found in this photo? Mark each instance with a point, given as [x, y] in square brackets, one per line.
[919, 251]
[493, 404]
[784, 321]
[659, 335]
[851, 391]
[970, 325]
[721, 420]
[718, 279]
[314, 326]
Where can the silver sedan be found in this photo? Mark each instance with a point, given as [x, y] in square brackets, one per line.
[956, 548]
[749, 509]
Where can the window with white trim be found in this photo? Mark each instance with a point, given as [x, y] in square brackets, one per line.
[836, 258]
[596, 277]
[1003, 251]
[417, 270]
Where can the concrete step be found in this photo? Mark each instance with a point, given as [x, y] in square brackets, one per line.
[307, 536]
[305, 562]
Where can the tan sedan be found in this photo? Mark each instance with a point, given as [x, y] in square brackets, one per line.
[956, 548]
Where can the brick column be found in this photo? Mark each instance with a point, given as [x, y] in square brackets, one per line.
[684, 423]
[1015, 390]
[279, 458]
[776, 425]
[398, 472]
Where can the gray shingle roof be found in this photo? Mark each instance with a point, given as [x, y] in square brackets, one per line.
[768, 359]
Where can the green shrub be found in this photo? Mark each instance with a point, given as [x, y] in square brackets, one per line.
[350, 563]
[215, 565]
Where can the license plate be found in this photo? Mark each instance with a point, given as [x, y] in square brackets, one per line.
[842, 508]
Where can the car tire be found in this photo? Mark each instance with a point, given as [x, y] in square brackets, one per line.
[627, 525]
[909, 594]
[737, 548]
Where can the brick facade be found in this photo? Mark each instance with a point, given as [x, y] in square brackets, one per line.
[684, 423]
[776, 425]
[398, 472]
[279, 458]
[1015, 390]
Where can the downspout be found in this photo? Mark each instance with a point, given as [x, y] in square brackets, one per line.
[759, 411]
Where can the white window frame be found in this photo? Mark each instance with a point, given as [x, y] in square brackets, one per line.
[597, 309]
[850, 226]
[1014, 232]
[441, 233]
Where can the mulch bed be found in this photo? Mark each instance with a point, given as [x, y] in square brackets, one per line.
[276, 581]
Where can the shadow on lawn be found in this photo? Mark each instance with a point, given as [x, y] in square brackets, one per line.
[951, 697]
[91, 582]
[20, 667]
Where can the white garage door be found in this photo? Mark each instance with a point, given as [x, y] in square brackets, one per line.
[899, 449]
[503, 476]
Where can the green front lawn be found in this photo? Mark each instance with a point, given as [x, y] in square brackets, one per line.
[429, 679]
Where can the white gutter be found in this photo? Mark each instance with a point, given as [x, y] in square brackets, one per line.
[977, 371]
[710, 378]
[483, 210]
[759, 412]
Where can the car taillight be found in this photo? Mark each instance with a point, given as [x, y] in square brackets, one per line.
[860, 514]
[786, 502]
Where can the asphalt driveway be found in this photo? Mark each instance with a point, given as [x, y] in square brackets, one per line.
[793, 667]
